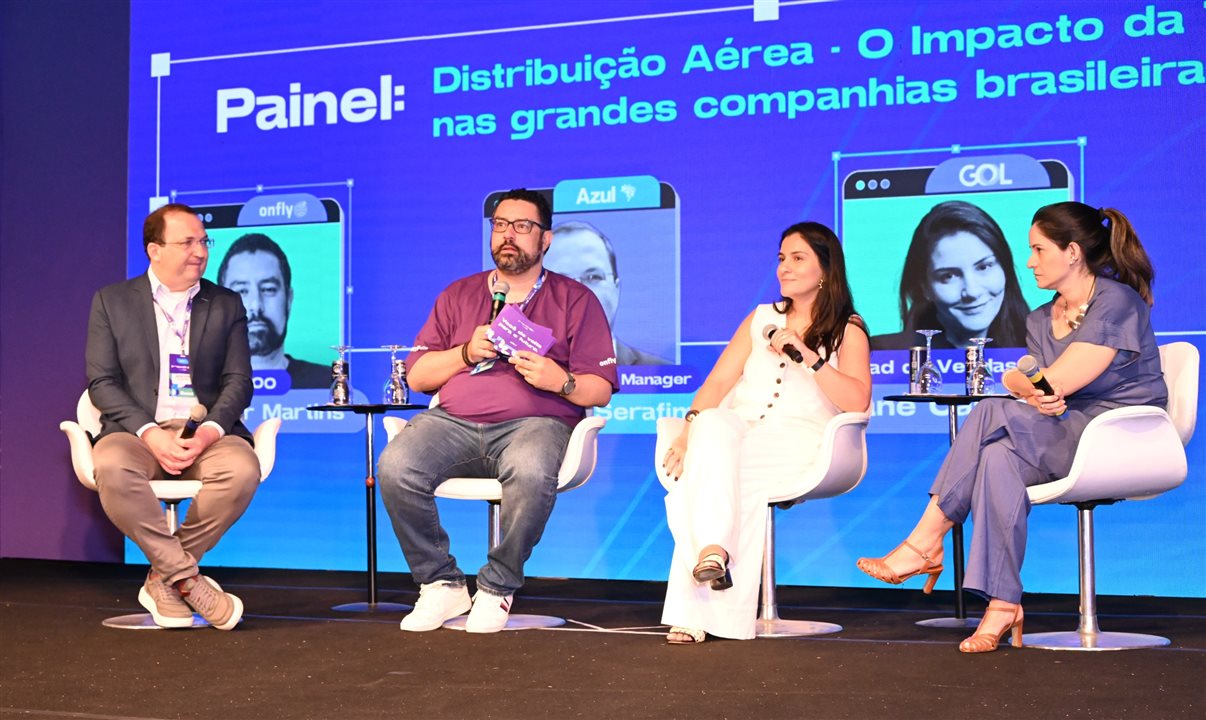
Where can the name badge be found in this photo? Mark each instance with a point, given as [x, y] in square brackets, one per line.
[180, 379]
[483, 366]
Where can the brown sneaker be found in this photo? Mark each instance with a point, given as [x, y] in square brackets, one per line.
[164, 603]
[220, 609]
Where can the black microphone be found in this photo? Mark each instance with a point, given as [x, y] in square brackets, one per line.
[1029, 367]
[789, 350]
[195, 417]
[499, 301]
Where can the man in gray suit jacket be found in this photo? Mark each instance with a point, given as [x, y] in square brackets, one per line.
[158, 345]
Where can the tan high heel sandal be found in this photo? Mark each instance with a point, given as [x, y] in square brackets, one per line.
[982, 642]
[714, 568]
[878, 568]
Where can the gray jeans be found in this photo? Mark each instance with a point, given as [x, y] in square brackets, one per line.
[524, 454]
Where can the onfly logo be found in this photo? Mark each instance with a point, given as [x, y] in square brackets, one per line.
[307, 109]
[290, 211]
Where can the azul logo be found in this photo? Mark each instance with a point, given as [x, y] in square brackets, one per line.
[298, 109]
[596, 197]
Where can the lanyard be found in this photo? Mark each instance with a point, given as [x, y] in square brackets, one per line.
[531, 293]
[171, 321]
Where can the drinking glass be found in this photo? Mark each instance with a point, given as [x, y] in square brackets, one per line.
[340, 390]
[396, 392]
[928, 377]
[984, 381]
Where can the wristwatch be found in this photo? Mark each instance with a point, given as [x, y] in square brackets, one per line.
[569, 385]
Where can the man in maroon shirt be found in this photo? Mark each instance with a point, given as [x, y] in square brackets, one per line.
[501, 417]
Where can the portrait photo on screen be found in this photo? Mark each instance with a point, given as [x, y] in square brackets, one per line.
[932, 250]
[290, 278]
[958, 277]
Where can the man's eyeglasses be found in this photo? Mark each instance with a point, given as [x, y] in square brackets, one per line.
[188, 245]
[594, 279]
[523, 227]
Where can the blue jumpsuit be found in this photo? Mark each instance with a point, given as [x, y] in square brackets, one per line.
[1005, 446]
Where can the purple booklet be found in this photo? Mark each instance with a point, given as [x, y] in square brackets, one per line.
[512, 331]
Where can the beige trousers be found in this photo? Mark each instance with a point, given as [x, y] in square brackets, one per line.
[228, 470]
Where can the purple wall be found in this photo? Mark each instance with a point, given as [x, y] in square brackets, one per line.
[64, 68]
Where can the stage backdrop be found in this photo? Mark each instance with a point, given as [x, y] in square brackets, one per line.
[365, 139]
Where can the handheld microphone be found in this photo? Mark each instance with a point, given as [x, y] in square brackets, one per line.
[1029, 367]
[499, 300]
[789, 350]
[195, 417]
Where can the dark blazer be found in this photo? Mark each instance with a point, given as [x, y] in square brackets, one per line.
[123, 356]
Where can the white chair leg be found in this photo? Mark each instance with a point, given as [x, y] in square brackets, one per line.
[515, 621]
[769, 623]
[144, 621]
[1088, 637]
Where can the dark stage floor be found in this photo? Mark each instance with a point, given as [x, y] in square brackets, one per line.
[294, 657]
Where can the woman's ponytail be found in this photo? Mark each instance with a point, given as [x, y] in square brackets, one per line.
[1127, 258]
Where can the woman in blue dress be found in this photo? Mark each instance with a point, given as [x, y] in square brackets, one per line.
[1095, 345]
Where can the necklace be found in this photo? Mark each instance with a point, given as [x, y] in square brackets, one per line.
[1074, 323]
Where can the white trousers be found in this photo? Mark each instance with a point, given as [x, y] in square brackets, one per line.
[731, 470]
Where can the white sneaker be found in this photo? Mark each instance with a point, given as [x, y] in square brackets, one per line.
[489, 613]
[438, 601]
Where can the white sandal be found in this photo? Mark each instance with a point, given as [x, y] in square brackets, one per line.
[696, 636]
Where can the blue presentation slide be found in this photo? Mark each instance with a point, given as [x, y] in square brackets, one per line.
[364, 142]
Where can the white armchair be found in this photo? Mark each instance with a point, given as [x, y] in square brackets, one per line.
[1129, 453]
[170, 492]
[841, 464]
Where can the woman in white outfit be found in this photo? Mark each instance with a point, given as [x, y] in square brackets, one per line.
[734, 449]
